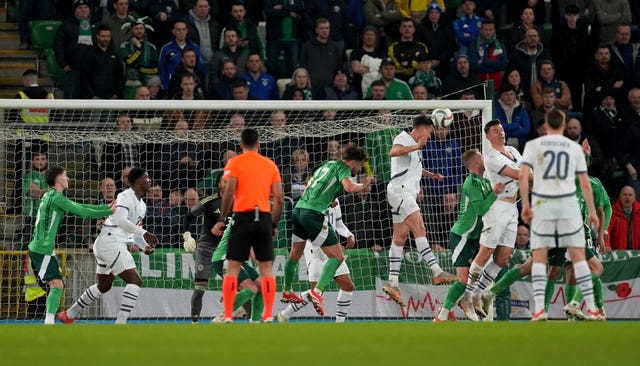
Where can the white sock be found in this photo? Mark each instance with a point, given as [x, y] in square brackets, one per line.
[539, 282]
[343, 303]
[88, 297]
[294, 307]
[444, 314]
[474, 273]
[583, 279]
[129, 299]
[49, 319]
[489, 274]
[427, 254]
[395, 261]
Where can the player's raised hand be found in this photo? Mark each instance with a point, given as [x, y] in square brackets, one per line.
[112, 206]
[351, 242]
[151, 239]
[498, 188]
[526, 215]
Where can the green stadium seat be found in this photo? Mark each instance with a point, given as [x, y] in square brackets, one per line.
[42, 33]
[55, 71]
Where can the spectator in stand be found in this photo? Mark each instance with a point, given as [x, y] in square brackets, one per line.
[71, 45]
[467, 27]
[570, 52]
[527, 58]
[513, 116]
[547, 79]
[139, 55]
[102, 72]
[188, 65]
[283, 34]
[538, 6]
[196, 119]
[512, 77]
[365, 60]
[190, 223]
[548, 104]
[460, 79]
[385, 16]
[437, 34]
[296, 175]
[249, 39]
[628, 156]
[406, 50]
[590, 146]
[223, 88]
[117, 155]
[160, 218]
[188, 88]
[602, 75]
[321, 56]
[607, 127]
[204, 31]
[299, 81]
[488, 55]
[609, 15]
[333, 10]
[624, 228]
[420, 92]
[340, 89]
[279, 150]
[378, 89]
[165, 14]
[241, 89]
[519, 30]
[119, 17]
[34, 186]
[230, 51]
[262, 86]
[179, 160]
[396, 89]
[426, 76]
[171, 53]
[625, 52]
[583, 8]
[522, 237]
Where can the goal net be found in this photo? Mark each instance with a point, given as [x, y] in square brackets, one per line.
[183, 145]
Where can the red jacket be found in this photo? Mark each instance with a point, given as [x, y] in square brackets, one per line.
[618, 227]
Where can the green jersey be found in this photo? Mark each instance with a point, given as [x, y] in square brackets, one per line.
[476, 198]
[600, 199]
[50, 213]
[377, 145]
[30, 204]
[325, 185]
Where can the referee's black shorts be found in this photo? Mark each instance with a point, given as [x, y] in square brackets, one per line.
[247, 232]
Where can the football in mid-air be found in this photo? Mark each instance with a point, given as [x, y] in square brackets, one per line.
[442, 117]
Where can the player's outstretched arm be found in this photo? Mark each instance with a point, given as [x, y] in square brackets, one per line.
[399, 150]
[80, 209]
[352, 187]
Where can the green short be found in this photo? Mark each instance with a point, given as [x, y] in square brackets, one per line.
[464, 250]
[246, 272]
[45, 267]
[312, 225]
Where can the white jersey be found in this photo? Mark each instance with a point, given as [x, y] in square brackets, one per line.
[406, 170]
[126, 222]
[495, 162]
[315, 257]
[334, 216]
[555, 161]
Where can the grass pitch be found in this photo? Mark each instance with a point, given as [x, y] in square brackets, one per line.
[355, 343]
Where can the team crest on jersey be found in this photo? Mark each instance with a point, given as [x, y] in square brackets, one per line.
[265, 82]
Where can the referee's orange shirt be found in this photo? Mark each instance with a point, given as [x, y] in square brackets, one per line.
[255, 174]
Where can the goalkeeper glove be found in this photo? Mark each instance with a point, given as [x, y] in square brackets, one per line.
[189, 242]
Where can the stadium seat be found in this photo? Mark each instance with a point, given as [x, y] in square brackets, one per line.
[42, 33]
[282, 85]
[55, 71]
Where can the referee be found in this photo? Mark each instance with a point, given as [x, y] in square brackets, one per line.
[250, 179]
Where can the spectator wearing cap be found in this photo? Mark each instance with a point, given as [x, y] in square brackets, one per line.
[528, 55]
[405, 51]
[513, 116]
[426, 77]
[547, 79]
[340, 89]
[262, 86]
[155, 88]
[365, 60]
[467, 27]
[461, 79]
[321, 56]
[488, 55]
[570, 52]
[396, 89]
[437, 34]
[71, 44]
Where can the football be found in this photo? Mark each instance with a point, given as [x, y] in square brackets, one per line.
[442, 117]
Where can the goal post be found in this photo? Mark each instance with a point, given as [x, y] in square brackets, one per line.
[183, 144]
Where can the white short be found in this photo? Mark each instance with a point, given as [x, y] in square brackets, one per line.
[500, 225]
[402, 204]
[315, 258]
[112, 257]
[569, 233]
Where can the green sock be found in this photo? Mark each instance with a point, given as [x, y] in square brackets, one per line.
[241, 297]
[53, 300]
[570, 292]
[328, 271]
[257, 307]
[507, 280]
[598, 294]
[577, 296]
[290, 269]
[454, 293]
[548, 294]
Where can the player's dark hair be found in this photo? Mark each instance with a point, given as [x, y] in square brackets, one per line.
[353, 152]
[53, 173]
[554, 118]
[490, 124]
[468, 155]
[135, 174]
[422, 120]
[249, 137]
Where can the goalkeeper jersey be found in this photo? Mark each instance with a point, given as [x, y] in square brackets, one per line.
[476, 198]
[50, 213]
[325, 186]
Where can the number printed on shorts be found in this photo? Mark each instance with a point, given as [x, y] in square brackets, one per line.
[558, 165]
